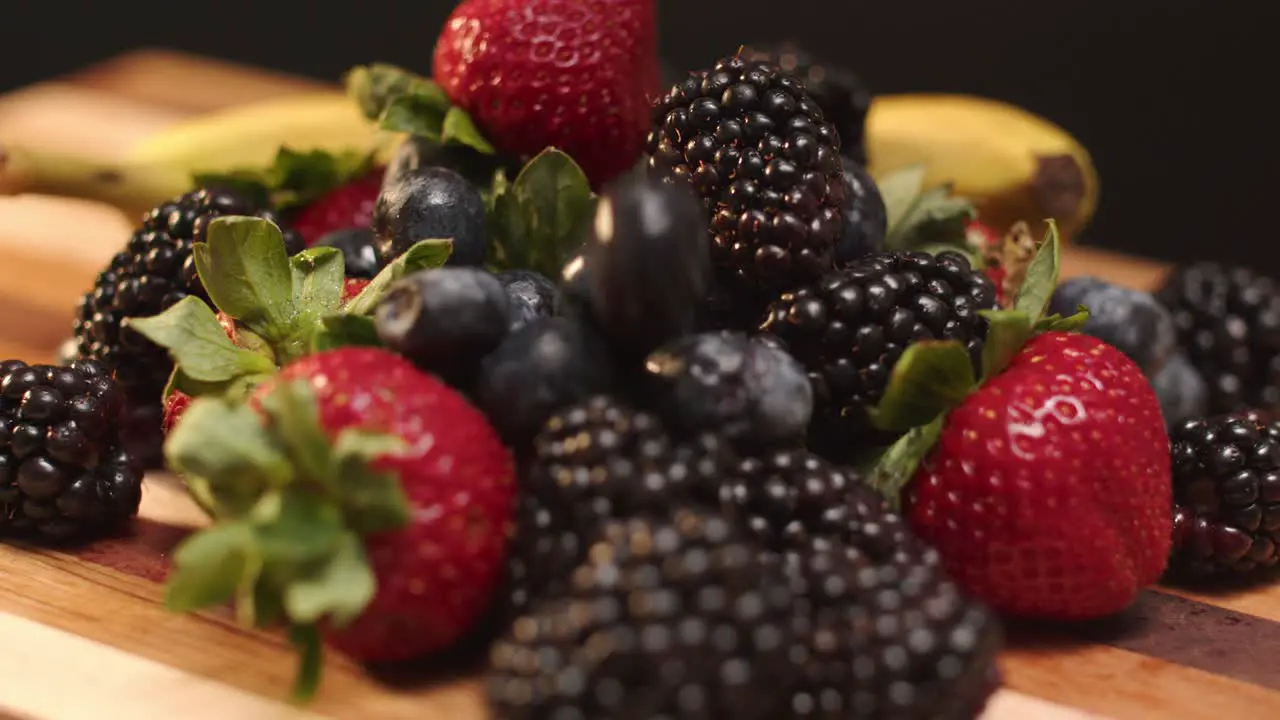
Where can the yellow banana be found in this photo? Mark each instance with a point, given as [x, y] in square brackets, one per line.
[161, 166]
[1012, 164]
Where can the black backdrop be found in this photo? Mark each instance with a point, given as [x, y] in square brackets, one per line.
[1170, 96]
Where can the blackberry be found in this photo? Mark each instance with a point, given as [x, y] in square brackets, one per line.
[849, 329]
[152, 272]
[596, 461]
[841, 94]
[767, 167]
[879, 601]
[1226, 494]
[677, 618]
[1228, 324]
[64, 474]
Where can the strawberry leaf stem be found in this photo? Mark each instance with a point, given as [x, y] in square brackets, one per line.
[930, 378]
[898, 464]
[295, 178]
[306, 640]
[539, 220]
[425, 255]
[401, 101]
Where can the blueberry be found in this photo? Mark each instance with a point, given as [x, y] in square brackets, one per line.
[743, 388]
[866, 219]
[1183, 393]
[416, 153]
[546, 365]
[647, 262]
[531, 295]
[431, 203]
[445, 320]
[1132, 321]
[360, 259]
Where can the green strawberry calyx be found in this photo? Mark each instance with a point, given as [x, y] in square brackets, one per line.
[295, 178]
[933, 377]
[926, 219]
[537, 219]
[291, 507]
[283, 307]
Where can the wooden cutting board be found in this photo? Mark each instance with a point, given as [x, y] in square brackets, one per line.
[85, 635]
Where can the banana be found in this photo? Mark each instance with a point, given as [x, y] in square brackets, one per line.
[161, 166]
[1013, 165]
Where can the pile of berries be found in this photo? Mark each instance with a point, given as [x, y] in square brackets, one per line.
[691, 438]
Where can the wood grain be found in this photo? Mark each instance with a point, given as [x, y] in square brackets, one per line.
[99, 612]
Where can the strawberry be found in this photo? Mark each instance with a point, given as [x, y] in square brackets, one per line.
[175, 406]
[394, 500]
[346, 206]
[573, 74]
[1048, 491]
[351, 287]
[1045, 483]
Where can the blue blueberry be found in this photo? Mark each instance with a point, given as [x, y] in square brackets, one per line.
[1132, 321]
[647, 265]
[746, 389]
[546, 365]
[532, 295]
[431, 203]
[445, 320]
[360, 259]
[1183, 393]
[866, 219]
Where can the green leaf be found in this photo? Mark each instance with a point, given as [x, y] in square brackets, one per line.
[898, 464]
[295, 421]
[1007, 332]
[1042, 276]
[1058, 323]
[460, 129]
[345, 330]
[197, 343]
[374, 499]
[416, 115]
[900, 190]
[377, 86]
[425, 255]
[245, 269]
[318, 275]
[209, 567]
[541, 220]
[340, 590]
[306, 528]
[930, 378]
[234, 390]
[224, 445]
[306, 641]
[295, 178]
[936, 216]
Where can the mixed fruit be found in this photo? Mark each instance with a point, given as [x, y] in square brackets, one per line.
[661, 394]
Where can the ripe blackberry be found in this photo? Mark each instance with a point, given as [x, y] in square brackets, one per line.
[879, 600]
[1228, 322]
[1226, 494]
[152, 272]
[677, 618]
[63, 472]
[595, 461]
[767, 168]
[849, 329]
[844, 99]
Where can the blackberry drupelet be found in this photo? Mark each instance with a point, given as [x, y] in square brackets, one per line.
[890, 636]
[679, 618]
[64, 474]
[152, 272]
[841, 94]
[767, 168]
[849, 329]
[1226, 494]
[1228, 324]
[596, 461]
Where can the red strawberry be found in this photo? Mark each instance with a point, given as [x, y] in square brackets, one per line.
[175, 404]
[435, 575]
[346, 206]
[980, 236]
[351, 287]
[573, 74]
[1048, 492]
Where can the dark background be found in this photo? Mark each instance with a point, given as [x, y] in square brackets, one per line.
[1170, 97]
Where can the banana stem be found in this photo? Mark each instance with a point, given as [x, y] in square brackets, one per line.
[133, 188]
